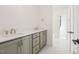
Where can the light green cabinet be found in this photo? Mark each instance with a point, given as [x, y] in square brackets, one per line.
[35, 43]
[43, 38]
[30, 44]
[39, 41]
[36, 49]
[9, 47]
[26, 47]
[18, 46]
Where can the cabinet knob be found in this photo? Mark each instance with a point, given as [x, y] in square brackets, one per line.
[21, 42]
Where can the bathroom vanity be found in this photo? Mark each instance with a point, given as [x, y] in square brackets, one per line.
[25, 43]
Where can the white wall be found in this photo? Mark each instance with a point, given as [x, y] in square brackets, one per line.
[46, 20]
[19, 17]
[24, 18]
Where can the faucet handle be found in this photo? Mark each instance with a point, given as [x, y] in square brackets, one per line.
[12, 31]
[6, 32]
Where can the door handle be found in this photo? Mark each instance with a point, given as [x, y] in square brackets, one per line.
[76, 41]
[70, 32]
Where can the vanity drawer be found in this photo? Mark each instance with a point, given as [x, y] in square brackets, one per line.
[35, 41]
[36, 49]
[35, 35]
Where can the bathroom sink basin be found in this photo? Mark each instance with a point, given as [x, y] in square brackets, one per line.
[12, 35]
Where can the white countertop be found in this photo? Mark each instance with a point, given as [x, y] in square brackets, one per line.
[25, 33]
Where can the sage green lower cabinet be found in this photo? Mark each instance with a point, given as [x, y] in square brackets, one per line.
[35, 45]
[43, 38]
[39, 41]
[21, 45]
[36, 49]
[9, 47]
[30, 44]
[26, 45]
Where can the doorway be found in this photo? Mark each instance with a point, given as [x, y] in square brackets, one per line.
[65, 28]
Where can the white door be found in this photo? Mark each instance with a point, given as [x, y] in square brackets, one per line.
[66, 30]
[70, 28]
[69, 31]
[75, 21]
[64, 41]
[64, 15]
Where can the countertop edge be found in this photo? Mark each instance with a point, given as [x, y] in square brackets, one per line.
[7, 39]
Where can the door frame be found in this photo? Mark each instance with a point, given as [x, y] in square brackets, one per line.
[74, 17]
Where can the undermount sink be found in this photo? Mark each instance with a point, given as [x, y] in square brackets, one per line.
[12, 35]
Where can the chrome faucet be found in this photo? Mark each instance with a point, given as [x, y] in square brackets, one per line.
[12, 31]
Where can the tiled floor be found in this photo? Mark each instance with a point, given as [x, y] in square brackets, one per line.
[46, 50]
[49, 50]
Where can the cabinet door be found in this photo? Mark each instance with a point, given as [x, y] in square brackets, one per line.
[9, 47]
[36, 49]
[43, 38]
[26, 47]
